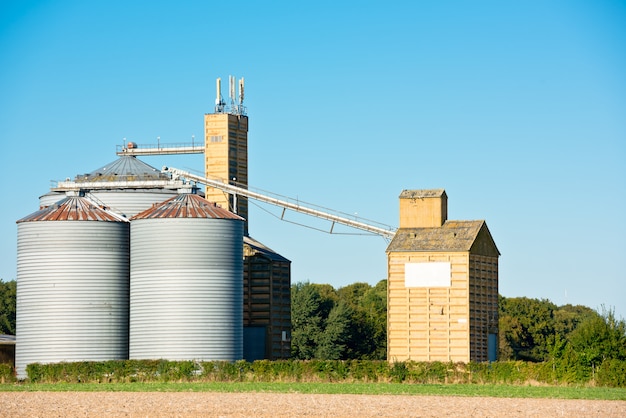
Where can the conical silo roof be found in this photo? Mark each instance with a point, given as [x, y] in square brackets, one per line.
[186, 205]
[74, 208]
[125, 168]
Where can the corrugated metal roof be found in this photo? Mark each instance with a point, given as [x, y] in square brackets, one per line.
[451, 236]
[53, 195]
[125, 168]
[255, 247]
[74, 208]
[186, 205]
[6, 339]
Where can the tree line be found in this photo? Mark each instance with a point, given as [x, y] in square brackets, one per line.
[577, 340]
[351, 323]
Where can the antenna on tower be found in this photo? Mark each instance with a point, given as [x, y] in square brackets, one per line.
[231, 92]
[241, 91]
[219, 101]
[235, 106]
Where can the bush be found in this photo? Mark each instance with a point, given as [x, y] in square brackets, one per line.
[398, 372]
[7, 373]
[611, 372]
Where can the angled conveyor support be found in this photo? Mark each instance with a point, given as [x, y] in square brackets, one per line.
[228, 188]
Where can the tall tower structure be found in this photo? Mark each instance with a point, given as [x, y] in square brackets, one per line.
[226, 148]
[267, 274]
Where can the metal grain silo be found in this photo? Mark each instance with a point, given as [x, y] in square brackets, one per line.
[130, 202]
[186, 282]
[50, 199]
[72, 284]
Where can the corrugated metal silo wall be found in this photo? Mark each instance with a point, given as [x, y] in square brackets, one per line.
[125, 201]
[50, 199]
[130, 201]
[72, 292]
[186, 289]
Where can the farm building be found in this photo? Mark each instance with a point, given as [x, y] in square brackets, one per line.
[442, 274]
[442, 284]
[7, 349]
[260, 309]
[266, 302]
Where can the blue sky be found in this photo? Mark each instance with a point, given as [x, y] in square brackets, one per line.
[516, 109]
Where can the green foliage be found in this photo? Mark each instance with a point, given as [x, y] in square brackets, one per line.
[332, 342]
[508, 372]
[601, 337]
[371, 339]
[568, 317]
[355, 388]
[308, 315]
[354, 293]
[399, 371]
[7, 306]
[7, 373]
[611, 373]
[537, 330]
[571, 344]
[348, 323]
[527, 328]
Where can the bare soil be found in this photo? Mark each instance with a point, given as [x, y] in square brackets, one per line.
[278, 405]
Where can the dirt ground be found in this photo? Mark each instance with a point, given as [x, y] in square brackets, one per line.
[278, 405]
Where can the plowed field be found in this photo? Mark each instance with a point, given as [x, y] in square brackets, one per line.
[278, 405]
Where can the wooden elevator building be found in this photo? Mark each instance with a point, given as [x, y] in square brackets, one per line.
[267, 302]
[442, 284]
[226, 158]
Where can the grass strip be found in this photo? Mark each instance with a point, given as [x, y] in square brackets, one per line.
[498, 391]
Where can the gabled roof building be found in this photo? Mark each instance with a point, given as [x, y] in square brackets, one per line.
[442, 284]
